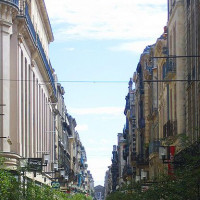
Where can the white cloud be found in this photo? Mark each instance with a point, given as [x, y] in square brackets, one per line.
[82, 127]
[98, 111]
[136, 47]
[70, 49]
[107, 19]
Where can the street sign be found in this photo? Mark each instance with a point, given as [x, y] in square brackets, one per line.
[55, 184]
[35, 164]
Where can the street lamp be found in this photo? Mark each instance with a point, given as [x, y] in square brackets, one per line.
[54, 167]
[164, 153]
[137, 179]
[46, 159]
[66, 178]
[23, 162]
[62, 173]
[143, 175]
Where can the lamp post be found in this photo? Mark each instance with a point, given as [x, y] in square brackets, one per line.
[137, 179]
[34, 165]
[23, 164]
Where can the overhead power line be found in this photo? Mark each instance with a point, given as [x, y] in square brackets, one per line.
[174, 56]
[64, 81]
[160, 81]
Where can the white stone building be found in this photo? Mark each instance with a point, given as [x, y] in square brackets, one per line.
[27, 89]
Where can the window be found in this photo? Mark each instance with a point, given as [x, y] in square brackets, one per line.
[188, 3]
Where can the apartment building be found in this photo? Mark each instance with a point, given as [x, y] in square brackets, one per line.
[191, 36]
[27, 87]
[35, 128]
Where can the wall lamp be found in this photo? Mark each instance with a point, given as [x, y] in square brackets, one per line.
[143, 175]
[164, 155]
[46, 159]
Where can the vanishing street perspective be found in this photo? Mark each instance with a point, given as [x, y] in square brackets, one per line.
[115, 114]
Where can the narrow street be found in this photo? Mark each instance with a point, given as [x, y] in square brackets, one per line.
[99, 100]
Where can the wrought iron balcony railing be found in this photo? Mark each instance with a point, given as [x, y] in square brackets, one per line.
[170, 128]
[37, 42]
[30, 24]
[154, 146]
[141, 159]
[11, 2]
[169, 68]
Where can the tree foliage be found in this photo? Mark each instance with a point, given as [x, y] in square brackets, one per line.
[183, 184]
[15, 189]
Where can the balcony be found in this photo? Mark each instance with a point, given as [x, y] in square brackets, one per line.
[141, 159]
[125, 131]
[37, 42]
[133, 156]
[128, 171]
[14, 3]
[125, 152]
[169, 68]
[154, 146]
[170, 129]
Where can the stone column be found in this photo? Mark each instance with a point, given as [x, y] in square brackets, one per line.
[5, 32]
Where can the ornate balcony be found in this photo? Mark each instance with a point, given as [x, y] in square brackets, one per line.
[14, 3]
[170, 129]
[24, 14]
[169, 68]
[141, 159]
[154, 146]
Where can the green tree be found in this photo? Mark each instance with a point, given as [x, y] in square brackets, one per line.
[183, 184]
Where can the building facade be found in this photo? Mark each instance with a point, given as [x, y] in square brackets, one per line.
[166, 98]
[35, 127]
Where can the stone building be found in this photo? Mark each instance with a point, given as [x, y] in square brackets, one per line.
[129, 134]
[108, 182]
[99, 192]
[192, 48]
[176, 46]
[35, 128]
[115, 168]
[121, 161]
[26, 100]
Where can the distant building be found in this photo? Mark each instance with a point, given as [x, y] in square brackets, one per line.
[108, 182]
[99, 192]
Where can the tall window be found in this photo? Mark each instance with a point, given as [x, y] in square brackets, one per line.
[26, 111]
[170, 96]
[34, 121]
[22, 103]
[175, 101]
[174, 39]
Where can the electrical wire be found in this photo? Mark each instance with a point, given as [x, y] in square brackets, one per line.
[158, 81]
[63, 81]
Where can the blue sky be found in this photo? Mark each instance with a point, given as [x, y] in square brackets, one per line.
[100, 40]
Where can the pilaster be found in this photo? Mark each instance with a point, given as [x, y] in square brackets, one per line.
[6, 15]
